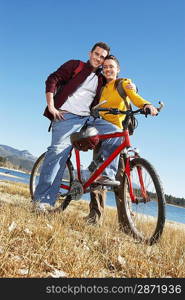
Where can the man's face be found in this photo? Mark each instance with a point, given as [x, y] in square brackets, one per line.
[97, 56]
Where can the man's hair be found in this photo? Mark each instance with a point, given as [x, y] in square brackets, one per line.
[101, 45]
[113, 58]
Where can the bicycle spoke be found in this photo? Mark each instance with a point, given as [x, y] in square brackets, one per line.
[145, 217]
[65, 182]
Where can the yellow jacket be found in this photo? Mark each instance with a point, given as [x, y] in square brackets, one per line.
[114, 100]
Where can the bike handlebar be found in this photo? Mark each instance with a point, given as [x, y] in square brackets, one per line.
[116, 111]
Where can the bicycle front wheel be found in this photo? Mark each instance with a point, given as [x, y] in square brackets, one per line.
[66, 181]
[145, 218]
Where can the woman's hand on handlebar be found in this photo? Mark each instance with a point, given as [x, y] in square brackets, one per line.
[150, 109]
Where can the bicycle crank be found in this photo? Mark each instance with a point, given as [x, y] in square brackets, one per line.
[76, 190]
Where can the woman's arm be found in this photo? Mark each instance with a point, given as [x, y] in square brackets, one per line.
[136, 98]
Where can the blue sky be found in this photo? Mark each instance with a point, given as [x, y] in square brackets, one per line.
[148, 37]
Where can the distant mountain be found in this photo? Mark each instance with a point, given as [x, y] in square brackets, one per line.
[20, 158]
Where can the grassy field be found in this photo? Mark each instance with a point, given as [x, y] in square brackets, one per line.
[62, 245]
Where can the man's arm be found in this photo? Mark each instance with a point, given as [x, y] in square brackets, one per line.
[62, 75]
[57, 114]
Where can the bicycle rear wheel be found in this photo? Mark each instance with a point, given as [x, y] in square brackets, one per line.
[68, 177]
[145, 219]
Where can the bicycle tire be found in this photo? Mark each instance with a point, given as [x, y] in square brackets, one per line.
[145, 220]
[63, 198]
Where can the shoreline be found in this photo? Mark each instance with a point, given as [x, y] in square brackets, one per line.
[28, 173]
[9, 175]
[15, 170]
[168, 221]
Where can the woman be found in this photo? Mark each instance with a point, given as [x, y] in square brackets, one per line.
[111, 69]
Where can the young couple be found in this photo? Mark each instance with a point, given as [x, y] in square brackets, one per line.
[71, 111]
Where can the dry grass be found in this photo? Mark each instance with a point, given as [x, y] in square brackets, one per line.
[62, 245]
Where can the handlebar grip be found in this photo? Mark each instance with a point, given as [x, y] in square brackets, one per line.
[147, 111]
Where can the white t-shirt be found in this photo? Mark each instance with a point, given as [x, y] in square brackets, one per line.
[79, 102]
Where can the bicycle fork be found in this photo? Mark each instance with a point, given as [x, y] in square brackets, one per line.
[135, 199]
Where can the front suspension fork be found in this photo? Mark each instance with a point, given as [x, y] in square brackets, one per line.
[128, 173]
[134, 199]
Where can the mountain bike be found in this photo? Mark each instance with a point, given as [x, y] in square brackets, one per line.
[143, 199]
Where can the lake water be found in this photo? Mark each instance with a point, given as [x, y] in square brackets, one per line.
[173, 213]
[13, 175]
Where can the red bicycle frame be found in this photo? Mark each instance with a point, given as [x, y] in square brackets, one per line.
[125, 144]
[99, 170]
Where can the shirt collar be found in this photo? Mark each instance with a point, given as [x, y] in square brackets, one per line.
[98, 71]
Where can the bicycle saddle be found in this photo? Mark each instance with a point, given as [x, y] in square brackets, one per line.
[86, 139]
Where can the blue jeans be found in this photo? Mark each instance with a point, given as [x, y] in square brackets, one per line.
[58, 153]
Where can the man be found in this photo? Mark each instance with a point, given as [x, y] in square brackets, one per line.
[69, 112]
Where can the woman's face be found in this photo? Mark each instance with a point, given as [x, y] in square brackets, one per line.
[110, 69]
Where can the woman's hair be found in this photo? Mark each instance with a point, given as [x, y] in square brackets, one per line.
[113, 58]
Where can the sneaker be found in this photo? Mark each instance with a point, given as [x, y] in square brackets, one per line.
[42, 207]
[93, 218]
[103, 180]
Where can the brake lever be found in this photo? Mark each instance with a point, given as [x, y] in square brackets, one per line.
[161, 106]
[99, 104]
